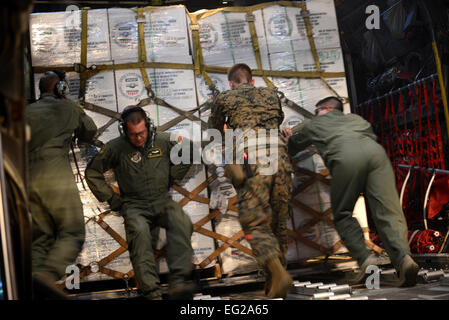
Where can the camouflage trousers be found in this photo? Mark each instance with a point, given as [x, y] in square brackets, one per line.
[263, 210]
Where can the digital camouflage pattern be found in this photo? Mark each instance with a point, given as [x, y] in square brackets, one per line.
[55, 205]
[358, 164]
[262, 199]
[144, 176]
[247, 107]
[264, 211]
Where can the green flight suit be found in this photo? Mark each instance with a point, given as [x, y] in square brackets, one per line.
[358, 164]
[55, 205]
[144, 176]
[263, 199]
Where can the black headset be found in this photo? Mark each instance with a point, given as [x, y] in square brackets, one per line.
[122, 127]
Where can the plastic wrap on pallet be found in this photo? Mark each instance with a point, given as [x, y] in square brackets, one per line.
[284, 46]
[316, 197]
[165, 33]
[282, 28]
[233, 260]
[307, 92]
[226, 40]
[202, 245]
[331, 60]
[292, 254]
[100, 90]
[175, 86]
[99, 244]
[56, 37]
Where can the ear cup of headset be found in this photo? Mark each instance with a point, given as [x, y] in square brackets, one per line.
[61, 87]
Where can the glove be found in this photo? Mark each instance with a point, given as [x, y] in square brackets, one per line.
[115, 203]
[220, 195]
[218, 201]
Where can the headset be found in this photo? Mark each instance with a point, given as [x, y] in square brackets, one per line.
[61, 89]
[122, 127]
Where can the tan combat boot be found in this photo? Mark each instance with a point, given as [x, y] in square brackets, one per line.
[280, 279]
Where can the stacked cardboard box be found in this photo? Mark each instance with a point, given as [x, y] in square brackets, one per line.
[113, 39]
[56, 38]
[225, 39]
[284, 46]
[315, 197]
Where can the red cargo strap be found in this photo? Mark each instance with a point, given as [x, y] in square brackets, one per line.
[406, 134]
[398, 154]
[436, 102]
[388, 132]
[432, 151]
[413, 135]
[420, 131]
[382, 133]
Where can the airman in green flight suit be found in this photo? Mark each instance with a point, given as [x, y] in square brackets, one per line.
[141, 162]
[55, 205]
[358, 164]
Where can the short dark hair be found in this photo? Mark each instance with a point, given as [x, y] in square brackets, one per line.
[240, 73]
[331, 102]
[48, 81]
[133, 114]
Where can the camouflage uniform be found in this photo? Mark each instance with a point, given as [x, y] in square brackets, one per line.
[262, 199]
[55, 205]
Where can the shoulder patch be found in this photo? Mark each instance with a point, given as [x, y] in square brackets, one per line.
[136, 157]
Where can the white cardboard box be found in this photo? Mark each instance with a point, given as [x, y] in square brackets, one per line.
[165, 33]
[99, 244]
[307, 92]
[176, 87]
[233, 260]
[284, 30]
[331, 60]
[226, 40]
[316, 197]
[56, 37]
[202, 245]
